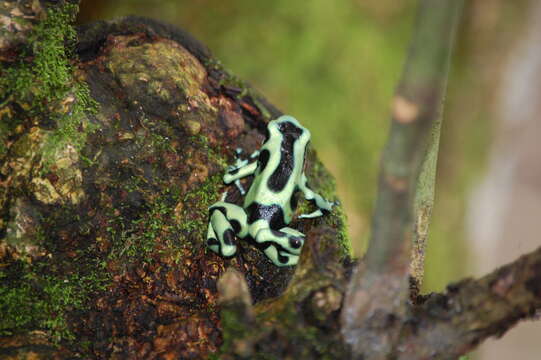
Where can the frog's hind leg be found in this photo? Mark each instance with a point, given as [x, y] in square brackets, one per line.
[324, 206]
[283, 246]
[226, 221]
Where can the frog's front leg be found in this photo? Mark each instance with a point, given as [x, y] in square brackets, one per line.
[324, 206]
[242, 168]
[282, 247]
[225, 221]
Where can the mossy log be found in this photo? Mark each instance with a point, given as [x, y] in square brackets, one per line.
[103, 227]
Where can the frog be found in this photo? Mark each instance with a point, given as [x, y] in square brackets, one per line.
[278, 168]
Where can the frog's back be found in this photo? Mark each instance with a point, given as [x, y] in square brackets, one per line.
[280, 166]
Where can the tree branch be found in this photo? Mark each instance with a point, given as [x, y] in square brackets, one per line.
[416, 108]
[380, 286]
[423, 205]
[451, 324]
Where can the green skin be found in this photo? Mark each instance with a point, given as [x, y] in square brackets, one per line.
[278, 168]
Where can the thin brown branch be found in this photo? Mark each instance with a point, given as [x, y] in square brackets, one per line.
[380, 287]
[448, 325]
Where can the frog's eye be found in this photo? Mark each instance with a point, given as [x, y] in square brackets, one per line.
[295, 242]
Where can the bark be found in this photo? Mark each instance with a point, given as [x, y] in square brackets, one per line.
[102, 246]
[449, 325]
[380, 287]
[103, 242]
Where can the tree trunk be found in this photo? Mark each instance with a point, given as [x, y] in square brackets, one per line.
[104, 240]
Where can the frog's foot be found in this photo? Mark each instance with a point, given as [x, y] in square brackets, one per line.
[239, 162]
[240, 151]
[324, 207]
[281, 246]
[226, 221]
[313, 214]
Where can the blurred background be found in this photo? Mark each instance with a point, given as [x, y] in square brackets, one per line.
[334, 65]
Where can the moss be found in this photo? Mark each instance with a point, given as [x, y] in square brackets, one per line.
[339, 221]
[213, 153]
[325, 185]
[194, 217]
[232, 329]
[42, 83]
[32, 297]
[138, 239]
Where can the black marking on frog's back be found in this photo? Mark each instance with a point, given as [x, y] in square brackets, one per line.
[279, 178]
[264, 156]
[272, 213]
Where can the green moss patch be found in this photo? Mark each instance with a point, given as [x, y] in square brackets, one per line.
[32, 297]
[171, 223]
[42, 83]
[322, 182]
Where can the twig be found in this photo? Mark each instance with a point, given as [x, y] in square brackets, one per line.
[380, 287]
[449, 325]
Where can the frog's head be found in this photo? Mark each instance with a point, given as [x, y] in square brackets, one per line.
[287, 126]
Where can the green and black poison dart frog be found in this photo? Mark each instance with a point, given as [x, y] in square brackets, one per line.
[278, 169]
